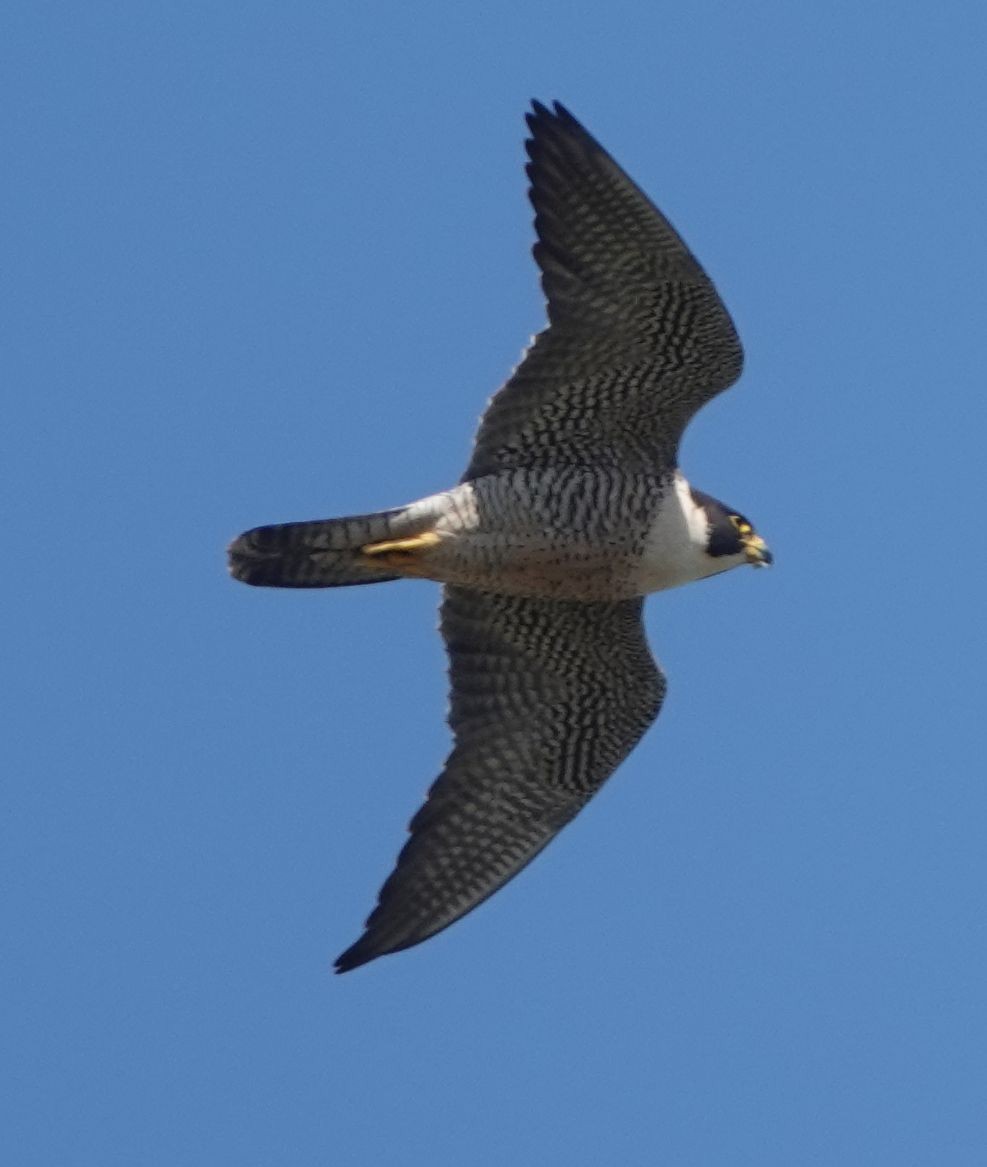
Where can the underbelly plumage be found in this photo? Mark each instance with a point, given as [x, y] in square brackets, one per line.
[572, 536]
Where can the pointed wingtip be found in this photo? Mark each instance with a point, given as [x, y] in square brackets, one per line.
[352, 958]
[381, 940]
[556, 111]
[362, 952]
[556, 125]
[540, 115]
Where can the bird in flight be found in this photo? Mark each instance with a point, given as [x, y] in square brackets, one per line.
[571, 510]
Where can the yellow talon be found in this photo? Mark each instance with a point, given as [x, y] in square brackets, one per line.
[401, 547]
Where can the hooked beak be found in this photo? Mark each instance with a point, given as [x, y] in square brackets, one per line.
[757, 552]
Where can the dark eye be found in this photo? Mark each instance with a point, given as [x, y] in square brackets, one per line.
[743, 527]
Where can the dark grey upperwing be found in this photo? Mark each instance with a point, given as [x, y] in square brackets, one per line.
[548, 697]
[638, 339]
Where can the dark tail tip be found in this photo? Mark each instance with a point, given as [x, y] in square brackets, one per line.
[255, 557]
[301, 555]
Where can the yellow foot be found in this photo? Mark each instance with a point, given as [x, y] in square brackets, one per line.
[400, 553]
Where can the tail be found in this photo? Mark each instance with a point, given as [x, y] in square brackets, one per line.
[327, 553]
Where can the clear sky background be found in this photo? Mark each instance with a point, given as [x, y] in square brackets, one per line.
[266, 262]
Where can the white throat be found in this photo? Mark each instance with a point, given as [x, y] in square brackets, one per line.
[675, 547]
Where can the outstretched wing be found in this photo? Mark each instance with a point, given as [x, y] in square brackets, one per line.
[548, 697]
[638, 339]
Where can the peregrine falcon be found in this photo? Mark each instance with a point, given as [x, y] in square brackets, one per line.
[571, 510]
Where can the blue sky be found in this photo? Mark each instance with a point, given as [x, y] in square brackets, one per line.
[266, 262]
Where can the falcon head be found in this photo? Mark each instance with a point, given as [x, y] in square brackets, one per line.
[731, 536]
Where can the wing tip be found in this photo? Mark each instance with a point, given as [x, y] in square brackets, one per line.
[374, 943]
[357, 954]
[542, 112]
[543, 120]
[557, 143]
